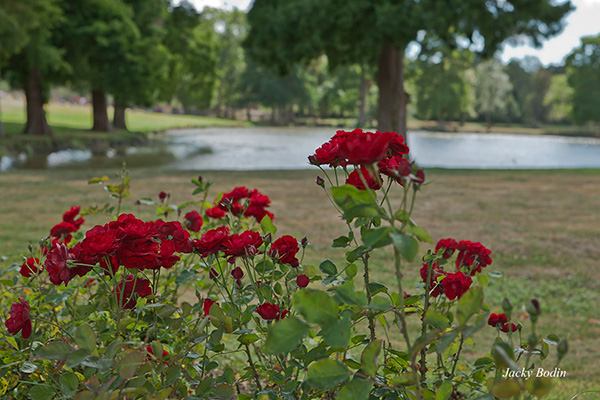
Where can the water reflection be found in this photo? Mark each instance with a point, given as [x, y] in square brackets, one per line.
[259, 148]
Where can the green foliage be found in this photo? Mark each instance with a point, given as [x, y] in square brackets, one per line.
[583, 70]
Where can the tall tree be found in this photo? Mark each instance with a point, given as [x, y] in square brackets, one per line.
[98, 36]
[535, 107]
[231, 28]
[559, 99]
[284, 32]
[491, 90]
[145, 68]
[192, 67]
[29, 56]
[442, 89]
[583, 68]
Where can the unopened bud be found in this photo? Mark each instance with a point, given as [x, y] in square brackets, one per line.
[200, 178]
[507, 306]
[267, 238]
[313, 160]
[213, 274]
[320, 182]
[304, 241]
[563, 348]
[533, 309]
[419, 177]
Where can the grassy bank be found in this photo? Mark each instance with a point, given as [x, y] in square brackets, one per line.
[71, 124]
[542, 226]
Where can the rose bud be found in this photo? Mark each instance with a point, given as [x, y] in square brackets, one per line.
[237, 273]
[313, 160]
[268, 311]
[302, 281]
[213, 274]
[238, 282]
[420, 177]
[304, 241]
[162, 196]
[506, 305]
[200, 178]
[563, 348]
[320, 182]
[267, 238]
[207, 305]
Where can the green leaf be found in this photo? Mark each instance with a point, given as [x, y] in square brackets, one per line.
[28, 367]
[341, 241]
[326, 374]
[375, 238]
[436, 320]
[351, 270]
[375, 287]
[444, 391]
[538, 386]
[185, 276]
[406, 245]
[42, 392]
[469, 304]
[55, 351]
[225, 391]
[172, 374]
[337, 335]
[316, 307]
[506, 389]
[419, 233]
[85, 337]
[219, 319]
[76, 358]
[285, 335]
[356, 389]
[266, 226]
[166, 310]
[368, 358]
[129, 364]
[69, 383]
[446, 341]
[248, 338]
[348, 295]
[328, 267]
[354, 202]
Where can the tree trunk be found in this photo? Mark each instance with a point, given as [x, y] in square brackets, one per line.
[391, 115]
[101, 122]
[364, 87]
[36, 116]
[248, 114]
[119, 116]
[1, 124]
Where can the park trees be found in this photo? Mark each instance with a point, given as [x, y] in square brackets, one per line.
[491, 90]
[583, 66]
[29, 55]
[442, 86]
[558, 99]
[355, 31]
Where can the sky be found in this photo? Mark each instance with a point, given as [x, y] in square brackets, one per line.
[584, 21]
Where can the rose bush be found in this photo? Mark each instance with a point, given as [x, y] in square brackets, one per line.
[219, 305]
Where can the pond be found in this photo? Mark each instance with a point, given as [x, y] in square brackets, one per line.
[260, 148]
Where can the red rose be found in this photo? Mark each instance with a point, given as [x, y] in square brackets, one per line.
[246, 243]
[215, 212]
[302, 281]
[240, 192]
[63, 231]
[328, 153]
[213, 274]
[29, 267]
[257, 212]
[268, 311]
[508, 327]
[175, 232]
[207, 305]
[449, 245]
[496, 319]
[193, 221]
[472, 255]
[435, 288]
[258, 199]
[455, 285]
[162, 196]
[395, 167]
[397, 145]
[69, 216]
[19, 318]
[419, 177]
[365, 147]
[130, 286]
[211, 241]
[284, 250]
[57, 265]
[355, 180]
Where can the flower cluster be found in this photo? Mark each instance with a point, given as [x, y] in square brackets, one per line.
[241, 201]
[70, 224]
[472, 256]
[372, 154]
[453, 285]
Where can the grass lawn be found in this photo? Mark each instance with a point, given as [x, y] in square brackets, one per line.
[542, 226]
[71, 124]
